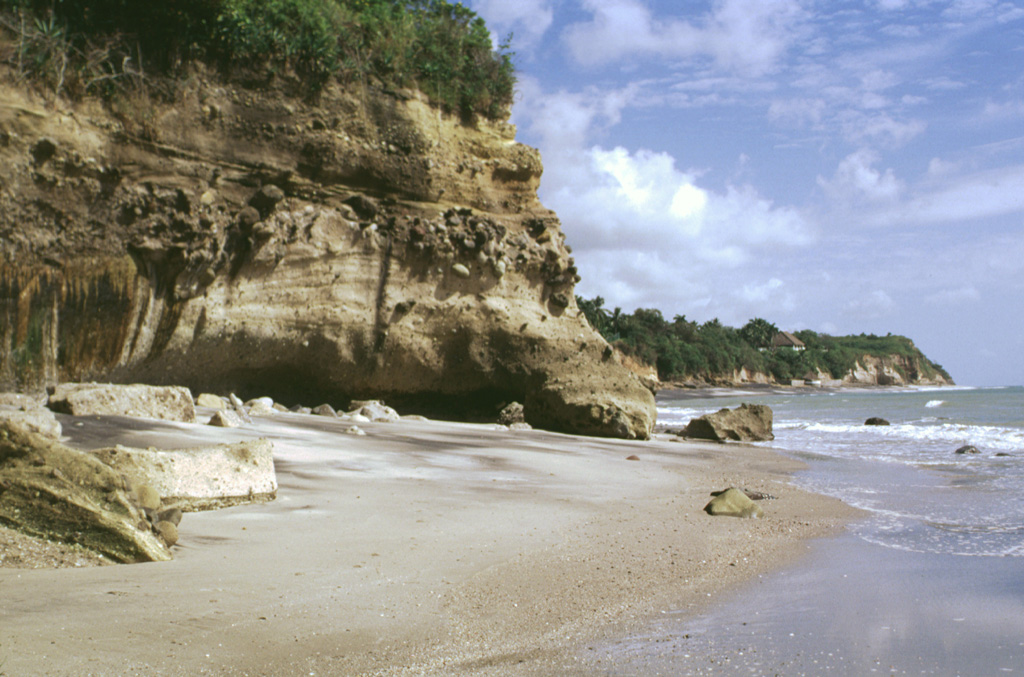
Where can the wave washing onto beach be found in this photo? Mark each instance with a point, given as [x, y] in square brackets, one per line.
[921, 494]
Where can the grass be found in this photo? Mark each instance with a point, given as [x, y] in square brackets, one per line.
[75, 47]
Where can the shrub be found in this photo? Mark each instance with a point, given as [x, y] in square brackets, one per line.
[442, 48]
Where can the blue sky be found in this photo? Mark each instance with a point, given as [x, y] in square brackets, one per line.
[841, 166]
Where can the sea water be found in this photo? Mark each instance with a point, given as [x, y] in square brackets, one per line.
[929, 581]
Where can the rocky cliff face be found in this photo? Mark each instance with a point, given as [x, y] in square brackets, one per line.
[892, 370]
[238, 239]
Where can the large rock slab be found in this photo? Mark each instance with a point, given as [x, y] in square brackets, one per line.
[54, 492]
[170, 403]
[202, 478]
[589, 406]
[746, 423]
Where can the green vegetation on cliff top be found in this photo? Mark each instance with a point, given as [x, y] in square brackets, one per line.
[682, 350]
[442, 48]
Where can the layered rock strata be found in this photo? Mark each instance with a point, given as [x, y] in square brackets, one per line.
[229, 240]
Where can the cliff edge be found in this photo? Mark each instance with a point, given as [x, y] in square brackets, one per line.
[232, 238]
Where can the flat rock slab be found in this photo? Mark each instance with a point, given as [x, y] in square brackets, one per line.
[169, 403]
[201, 478]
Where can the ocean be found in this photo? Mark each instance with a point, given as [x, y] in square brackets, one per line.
[929, 581]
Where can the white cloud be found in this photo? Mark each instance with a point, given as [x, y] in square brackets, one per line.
[940, 167]
[950, 297]
[874, 305]
[797, 111]
[745, 35]
[528, 20]
[1006, 109]
[981, 195]
[882, 127]
[857, 179]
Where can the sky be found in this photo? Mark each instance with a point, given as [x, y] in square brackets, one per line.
[844, 166]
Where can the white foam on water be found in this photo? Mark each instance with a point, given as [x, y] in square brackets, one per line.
[931, 404]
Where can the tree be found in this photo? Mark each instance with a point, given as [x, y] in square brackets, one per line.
[759, 332]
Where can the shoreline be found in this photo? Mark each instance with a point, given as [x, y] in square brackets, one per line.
[422, 547]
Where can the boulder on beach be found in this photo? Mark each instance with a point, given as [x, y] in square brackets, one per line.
[571, 404]
[51, 491]
[225, 419]
[733, 503]
[261, 406]
[373, 410]
[201, 478]
[170, 403]
[511, 413]
[746, 423]
[325, 410]
[211, 401]
[875, 420]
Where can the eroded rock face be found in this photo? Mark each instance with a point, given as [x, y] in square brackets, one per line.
[746, 423]
[366, 247]
[54, 492]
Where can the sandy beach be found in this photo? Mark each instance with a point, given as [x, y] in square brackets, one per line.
[422, 547]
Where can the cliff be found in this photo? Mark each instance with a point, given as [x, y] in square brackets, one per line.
[868, 370]
[235, 239]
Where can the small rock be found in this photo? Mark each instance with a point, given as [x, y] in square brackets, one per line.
[261, 406]
[167, 531]
[211, 401]
[266, 198]
[460, 270]
[968, 449]
[375, 411]
[520, 426]
[632, 457]
[148, 498]
[512, 413]
[172, 515]
[875, 420]
[355, 430]
[225, 419]
[733, 503]
[325, 410]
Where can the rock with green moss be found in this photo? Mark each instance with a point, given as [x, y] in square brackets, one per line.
[51, 491]
[733, 503]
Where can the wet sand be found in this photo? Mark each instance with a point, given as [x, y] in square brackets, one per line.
[419, 548]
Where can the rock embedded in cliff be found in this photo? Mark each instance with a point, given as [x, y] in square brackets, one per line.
[170, 403]
[54, 492]
[746, 423]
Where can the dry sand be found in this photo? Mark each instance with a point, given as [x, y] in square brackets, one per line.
[420, 548]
